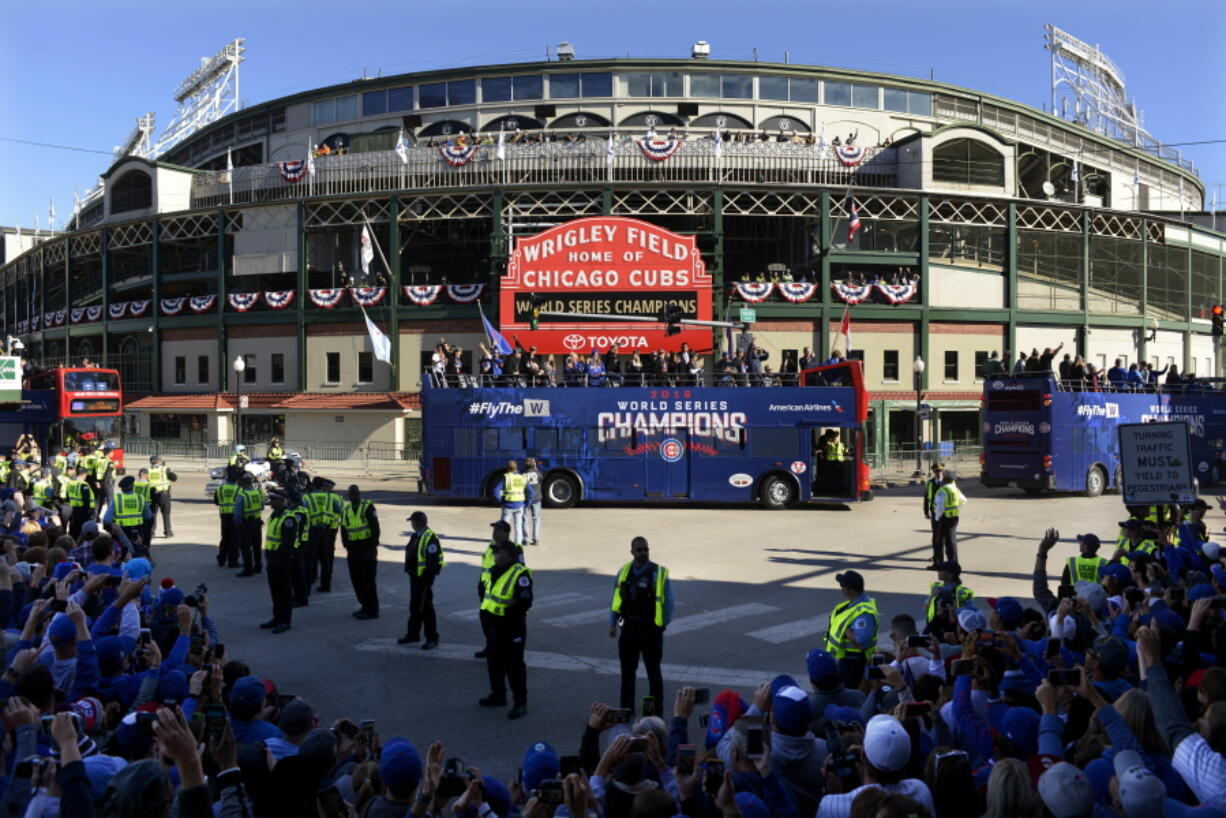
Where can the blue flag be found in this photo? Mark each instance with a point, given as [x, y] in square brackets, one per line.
[496, 338]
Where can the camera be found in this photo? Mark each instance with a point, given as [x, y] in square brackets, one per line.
[841, 764]
[551, 791]
[454, 780]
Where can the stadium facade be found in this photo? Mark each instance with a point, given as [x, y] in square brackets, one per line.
[985, 227]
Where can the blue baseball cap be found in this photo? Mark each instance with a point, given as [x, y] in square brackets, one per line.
[138, 568]
[1200, 591]
[540, 763]
[496, 795]
[843, 714]
[400, 767]
[63, 630]
[1119, 573]
[781, 681]
[822, 665]
[1008, 609]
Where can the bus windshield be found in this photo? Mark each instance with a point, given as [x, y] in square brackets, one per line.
[98, 431]
[91, 381]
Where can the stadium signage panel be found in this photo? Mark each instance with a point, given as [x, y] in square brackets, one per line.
[608, 265]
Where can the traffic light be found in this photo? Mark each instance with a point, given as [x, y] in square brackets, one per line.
[536, 301]
[1219, 320]
[671, 315]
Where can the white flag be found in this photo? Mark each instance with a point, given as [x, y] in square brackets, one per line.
[719, 144]
[1075, 176]
[51, 214]
[36, 214]
[1136, 178]
[368, 250]
[821, 146]
[229, 162]
[310, 158]
[402, 148]
[382, 345]
[608, 153]
[502, 145]
[76, 202]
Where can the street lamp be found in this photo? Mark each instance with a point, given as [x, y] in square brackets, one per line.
[240, 363]
[918, 368]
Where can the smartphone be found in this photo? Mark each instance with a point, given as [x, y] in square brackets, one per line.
[1135, 596]
[875, 673]
[348, 729]
[219, 651]
[687, 755]
[1065, 677]
[197, 643]
[916, 709]
[1217, 603]
[704, 719]
[916, 640]
[619, 715]
[146, 636]
[1066, 592]
[879, 659]
[702, 695]
[1178, 594]
[367, 730]
[28, 766]
[145, 722]
[568, 765]
[214, 720]
[331, 803]
[754, 739]
[713, 778]
[112, 581]
[638, 744]
[963, 666]
[649, 706]
[58, 606]
[77, 721]
[550, 792]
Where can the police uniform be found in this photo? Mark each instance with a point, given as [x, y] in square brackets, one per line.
[275, 455]
[360, 536]
[160, 478]
[852, 632]
[1084, 566]
[506, 596]
[239, 458]
[129, 510]
[423, 561]
[81, 499]
[280, 541]
[43, 492]
[227, 544]
[953, 592]
[248, 524]
[324, 511]
[302, 550]
[104, 476]
[946, 509]
[642, 603]
[515, 495]
[832, 452]
[931, 486]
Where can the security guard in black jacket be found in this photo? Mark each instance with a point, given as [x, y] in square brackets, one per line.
[280, 539]
[931, 487]
[360, 536]
[642, 606]
[223, 498]
[505, 591]
[500, 536]
[423, 561]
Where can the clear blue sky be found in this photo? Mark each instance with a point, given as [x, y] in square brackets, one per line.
[79, 73]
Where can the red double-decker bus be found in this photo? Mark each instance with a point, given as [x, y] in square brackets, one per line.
[73, 406]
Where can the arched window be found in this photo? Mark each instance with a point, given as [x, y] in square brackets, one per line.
[132, 191]
[968, 162]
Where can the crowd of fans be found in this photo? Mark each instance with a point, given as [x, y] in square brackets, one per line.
[1075, 373]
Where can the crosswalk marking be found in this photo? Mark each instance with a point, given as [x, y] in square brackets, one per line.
[582, 618]
[788, 631]
[695, 621]
[551, 601]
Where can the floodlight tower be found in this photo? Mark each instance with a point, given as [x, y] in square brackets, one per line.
[205, 96]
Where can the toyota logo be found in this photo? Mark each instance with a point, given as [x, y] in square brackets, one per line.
[574, 342]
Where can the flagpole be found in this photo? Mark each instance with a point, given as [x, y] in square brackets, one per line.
[230, 174]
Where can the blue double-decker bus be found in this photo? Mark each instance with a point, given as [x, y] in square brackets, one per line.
[1041, 435]
[757, 443]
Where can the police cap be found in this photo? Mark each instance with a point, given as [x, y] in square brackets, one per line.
[850, 579]
[503, 524]
[276, 495]
[419, 516]
[1131, 524]
[1090, 541]
[938, 466]
[155, 459]
[324, 483]
[127, 483]
[246, 478]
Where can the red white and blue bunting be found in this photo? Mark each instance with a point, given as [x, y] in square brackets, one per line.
[457, 155]
[93, 313]
[243, 301]
[326, 298]
[116, 311]
[754, 291]
[368, 296]
[137, 308]
[851, 293]
[173, 306]
[23, 327]
[60, 316]
[465, 293]
[202, 303]
[35, 323]
[294, 170]
[76, 315]
[850, 155]
[423, 295]
[796, 291]
[49, 319]
[658, 150]
[279, 299]
[898, 293]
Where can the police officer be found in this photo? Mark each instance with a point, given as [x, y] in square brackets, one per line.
[831, 453]
[1087, 565]
[931, 487]
[946, 508]
[423, 561]
[505, 591]
[160, 478]
[248, 506]
[275, 455]
[360, 536]
[43, 492]
[223, 498]
[948, 589]
[104, 474]
[500, 536]
[1140, 539]
[128, 512]
[324, 509]
[279, 539]
[142, 487]
[852, 632]
[239, 458]
[643, 606]
[302, 546]
[514, 493]
[81, 499]
[60, 461]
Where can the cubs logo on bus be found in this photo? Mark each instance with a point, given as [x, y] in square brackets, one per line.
[671, 450]
[740, 480]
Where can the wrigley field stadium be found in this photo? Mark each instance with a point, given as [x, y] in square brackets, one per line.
[951, 226]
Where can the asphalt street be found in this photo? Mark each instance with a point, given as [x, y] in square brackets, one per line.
[753, 591]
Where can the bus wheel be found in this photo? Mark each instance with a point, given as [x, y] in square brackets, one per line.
[560, 491]
[1096, 481]
[1119, 479]
[777, 492]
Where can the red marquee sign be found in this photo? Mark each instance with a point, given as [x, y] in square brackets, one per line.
[609, 265]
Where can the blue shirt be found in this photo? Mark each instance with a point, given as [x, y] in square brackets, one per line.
[863, 628]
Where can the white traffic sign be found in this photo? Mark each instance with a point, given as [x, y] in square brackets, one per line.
[1157, 463]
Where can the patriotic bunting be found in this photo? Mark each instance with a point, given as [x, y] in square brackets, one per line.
[279, 299]
[850, 155]
[116, 311]
[294, 170]
[796, 291]
[898, 293]
[754, 291]
[201, 303]
[422, 295]
[243, 301]
[851, 293]
[35, 323]
[173, 306]
[48, 320]
[457, 155]
[77, 314]
[137, 308]
[465, 293]
[23, 327]
[367, 296]
[59, 317]
[658, 150]
[326, 298]
[93, 313]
